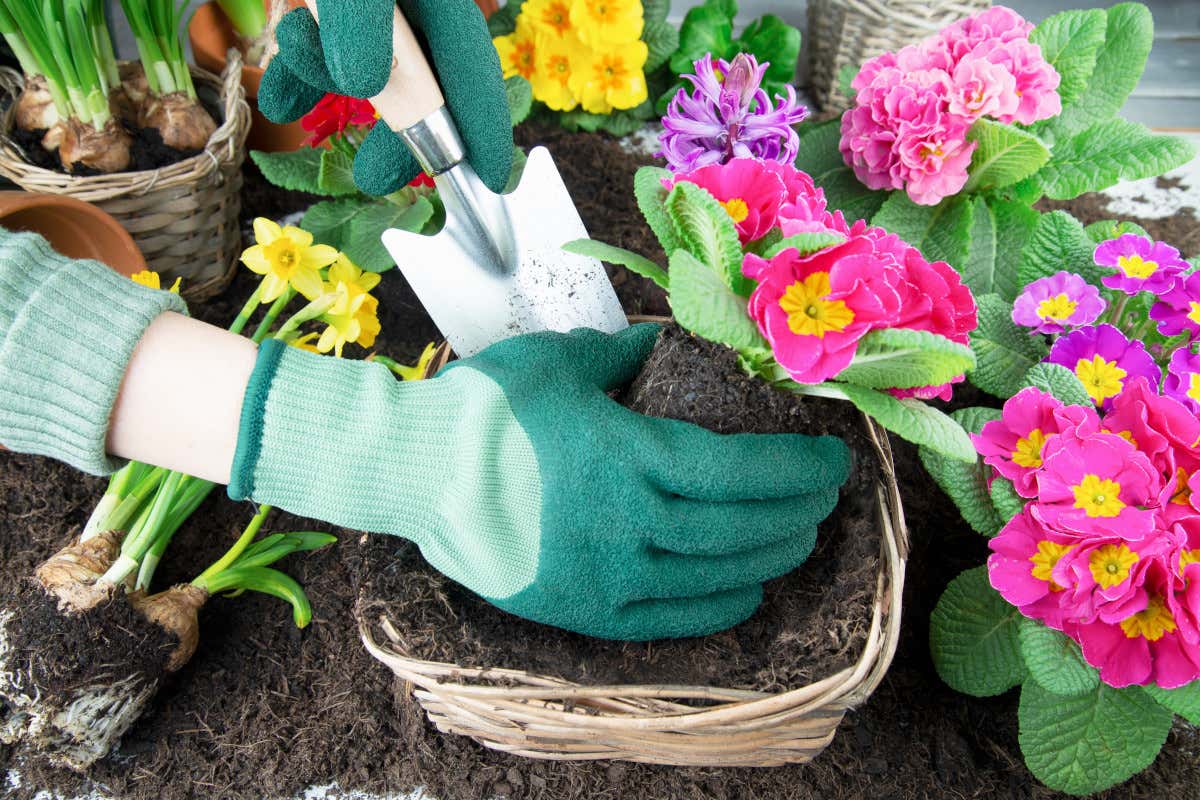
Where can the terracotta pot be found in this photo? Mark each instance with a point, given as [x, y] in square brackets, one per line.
[74, 228]
[211, 35]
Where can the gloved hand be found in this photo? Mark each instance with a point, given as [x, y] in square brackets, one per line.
[521, 479]
[351, 54]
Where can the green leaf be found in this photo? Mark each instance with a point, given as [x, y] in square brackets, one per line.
[1058, 381]
[941, 232]
[1014, 223]
[966, 482]
[979, 269]
[1107, 229]
[805, 243]
[973, 637]
[1004, 353]
[845, 80]
[844, 193]
[705, 305]
[655, 10]
[901, 358]
[336, 174]
[1108, 152]
[1005, 499]
[820, 158]
[706, 29]
[1070, 42]
[329, 220]
[296, 171]
[1055, 661]
[1058, 243]
[1089, 742]
[770, 39]
[708, 232]
[651, 197]
[1184, 701]
[503, 21]
[634, 262]
[363, 244]
[520, 98]
[272, 582]
[1004, 156]
[910, 419]
[1129, 34]
[662, 40]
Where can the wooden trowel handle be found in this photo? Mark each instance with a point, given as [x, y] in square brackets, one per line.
[412, 92]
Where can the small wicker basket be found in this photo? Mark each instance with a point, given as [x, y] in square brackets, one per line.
[848, 32]
[541, 716]
[183, 217]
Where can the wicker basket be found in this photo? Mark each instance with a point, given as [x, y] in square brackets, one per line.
[848, 32]
[184, 217]
[541, 716]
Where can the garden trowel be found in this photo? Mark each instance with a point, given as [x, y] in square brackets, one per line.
[497, 267]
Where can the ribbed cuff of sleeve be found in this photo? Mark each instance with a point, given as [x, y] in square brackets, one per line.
[71, 328]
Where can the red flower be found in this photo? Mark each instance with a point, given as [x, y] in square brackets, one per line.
[422, 179]
[333, 114]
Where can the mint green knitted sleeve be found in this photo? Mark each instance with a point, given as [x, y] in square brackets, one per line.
[67, 331]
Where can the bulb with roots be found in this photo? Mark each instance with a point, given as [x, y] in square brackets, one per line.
[181, 120]
[35, 110]
[132, 92]
[105, 150]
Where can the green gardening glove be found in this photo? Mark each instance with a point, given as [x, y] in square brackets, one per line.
[520, 478]
[351, 54]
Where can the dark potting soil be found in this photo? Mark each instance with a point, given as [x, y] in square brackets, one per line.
[265, 710]
[147, 152]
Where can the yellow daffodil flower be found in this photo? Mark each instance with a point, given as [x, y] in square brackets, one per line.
[344, 271]
[307, 343]
[351, 320]
[552, 77]
[286, 256]
[603, 23]
[151, 280]
[417, 371]
[552, 16]
[613, 78]
[517, 49]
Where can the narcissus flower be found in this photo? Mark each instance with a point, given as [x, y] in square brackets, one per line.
[345, 273]
[333, 114]
[612, 78]
[1140, 264]
[1103, 359]
[287, 256]
[1183, 379]
[1178, 309]
[1055, 303]
[603, 23]
[518, 50]
[353, 319]
[152, 280]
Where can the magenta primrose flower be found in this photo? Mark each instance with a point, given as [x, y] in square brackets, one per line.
[1178, 309]
[1161, 427]
[1182, 381]
[1057, 302]
[1103, 358]
[748, 191]
[1021, 567]
[1140, 264]
[728, 115]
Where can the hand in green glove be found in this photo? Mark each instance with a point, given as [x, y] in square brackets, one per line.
[520, 478]
[351, 54]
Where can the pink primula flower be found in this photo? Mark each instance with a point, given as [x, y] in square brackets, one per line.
[1104, 359]
[982, 88]
[996, 25]
[1020, 568]
[804, 209]
[1105, 577]
[1036, 81]
[1139, 264]
[1183, 379]
[747, 188]
[1178, 309]
[1161, 428]
[1054, 303]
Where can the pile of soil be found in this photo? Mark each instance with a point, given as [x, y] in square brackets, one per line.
[265, 710]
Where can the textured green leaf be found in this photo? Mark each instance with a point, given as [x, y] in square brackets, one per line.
[1055, 661]
[845, 80]
[329, 220]
[911, 419]
[1129, 33]
[662, 40]
[1014, 223]
[504, 20]
[1058, 243]
[705, 305]
[336, 174]
[1108, 152]
[1005, 155]
[1070, 42]
[941, 232]
[626, 121]
[1089, 742]
[707, 231]
[844, 193]
[520, 98]
[900, 358]
[634, 262]
[979, 269]
[820, 158]
[772, 40]
[655, 10]
[966, 482]
[1184, 701]
[805, 243]
[1005, 499]
[1004, 353]
[297, 171]
[973, 637]
[363, 243]
[1058, 381]
[652, 202]
[706, 29]
[1107, 229]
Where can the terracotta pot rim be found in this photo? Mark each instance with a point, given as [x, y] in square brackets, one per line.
[113, 245]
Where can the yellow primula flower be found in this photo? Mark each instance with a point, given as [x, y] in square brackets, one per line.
[612, 78]
[552, 78]
[151, 280]
[357, 281]
[552, 16]
[602, 23]
[286, 256]
[517, 50]
[351, 320]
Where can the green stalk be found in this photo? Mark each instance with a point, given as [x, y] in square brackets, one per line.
[192, 493]
[231, 555]
[132, 503]
[155, 60]
[102, 44]
[272, 315]
[118, 488]
[143, 534]
[249, 17]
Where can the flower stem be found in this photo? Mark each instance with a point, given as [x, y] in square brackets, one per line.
[132, 502]
[225, 561]
[243, 317]
[272, 315]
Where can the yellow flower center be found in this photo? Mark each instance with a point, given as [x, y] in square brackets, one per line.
[1057, 308]
[1028, 452]
[560, 68]
[1187, 558]
[558, 17]
[610, 72]
[1044, 560]
[928, 151]
[809, 313]
[1098, 497]
[523, 58]
[1194, 313]
[1111, 563]
[283, 256]
[1194, 386]
[736, 208]
[1152, 623]
[1183, 493]
[1135, 267]
[1126, 435]
[1102, 379]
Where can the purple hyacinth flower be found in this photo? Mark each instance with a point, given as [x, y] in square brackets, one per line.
[1178, 309]
[1054, 303]
[1141, 264]
[729, 115]
[1183, 379]
[1104, 360]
